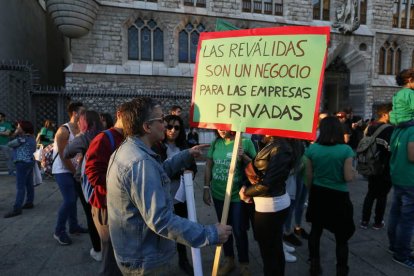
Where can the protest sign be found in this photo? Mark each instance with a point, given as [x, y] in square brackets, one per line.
[264, 81]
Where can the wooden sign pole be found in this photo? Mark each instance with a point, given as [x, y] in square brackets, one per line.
[227, 198]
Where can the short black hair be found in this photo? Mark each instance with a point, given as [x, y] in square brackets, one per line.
[175, 107]
[331, 132]
[383, 109]
[73, 107]
[2, 114]
[403, 77]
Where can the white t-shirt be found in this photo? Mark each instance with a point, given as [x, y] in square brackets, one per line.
[58, 166]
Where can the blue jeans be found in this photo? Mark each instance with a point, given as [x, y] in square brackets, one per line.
[24, 184]
[301, 196]
[401, 222]
[67, 211]
[239, 231]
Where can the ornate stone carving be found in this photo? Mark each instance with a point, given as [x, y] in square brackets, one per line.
[74, 18]
[347, 20]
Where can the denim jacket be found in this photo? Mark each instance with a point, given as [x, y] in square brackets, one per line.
[142, 224]
[24, 146]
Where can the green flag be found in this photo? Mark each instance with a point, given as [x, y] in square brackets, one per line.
[222, 25]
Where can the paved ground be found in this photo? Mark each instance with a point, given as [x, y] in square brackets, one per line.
[28, 248]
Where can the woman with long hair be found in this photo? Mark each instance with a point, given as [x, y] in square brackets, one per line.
[89, 125]
[216, 174]
[46, 134]
[174, 142]
[107, 120]
[328, 170]
[272, 166]
[24, 145]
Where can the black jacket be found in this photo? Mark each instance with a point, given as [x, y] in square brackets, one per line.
[273, 163]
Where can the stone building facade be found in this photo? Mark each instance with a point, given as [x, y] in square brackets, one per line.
[357, 73]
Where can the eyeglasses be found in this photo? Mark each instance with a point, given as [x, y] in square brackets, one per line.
[159, 119]
[170, 127]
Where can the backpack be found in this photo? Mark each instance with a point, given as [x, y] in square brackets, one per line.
[368, 161]
[87, 188]
[48, 157]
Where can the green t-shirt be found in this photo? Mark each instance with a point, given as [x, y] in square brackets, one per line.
[402, 106]
[4, 126]
[401, 169]
[48, 136]
[220, 152]
[328, 165]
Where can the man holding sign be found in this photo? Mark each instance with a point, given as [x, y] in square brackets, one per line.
[142, 223]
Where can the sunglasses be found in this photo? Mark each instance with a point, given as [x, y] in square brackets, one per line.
[159, 119]
[170, 127]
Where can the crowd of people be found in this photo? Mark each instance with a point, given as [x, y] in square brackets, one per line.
[135, 165]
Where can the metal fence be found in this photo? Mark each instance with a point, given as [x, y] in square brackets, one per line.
[23, 98]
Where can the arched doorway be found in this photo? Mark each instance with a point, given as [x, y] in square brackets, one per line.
[335, 93]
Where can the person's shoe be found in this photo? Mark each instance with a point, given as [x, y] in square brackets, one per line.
[289, 258]
[378, 226]
[301, 233]
[78, 230]
[13, 213]
[244, 269]
[186, 267]
[287, 248]
[28, 205]
[292, 239]
[62, 238]
[364, 224]
[409, 263]
[227, 266]
[97, 256]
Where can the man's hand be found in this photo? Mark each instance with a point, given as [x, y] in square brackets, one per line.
[196, 151]
[224, 231]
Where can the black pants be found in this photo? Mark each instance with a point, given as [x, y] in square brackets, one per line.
[180, 209]
[341, 247]
[269, 232]
[93, 233]
[378, 189]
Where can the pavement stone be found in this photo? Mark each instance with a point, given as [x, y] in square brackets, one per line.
[27, 246]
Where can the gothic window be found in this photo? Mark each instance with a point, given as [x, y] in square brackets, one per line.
[362, 11]
[145, 41]
[389, 59]
[188, 41]
[273, 7]
[195, 3]
[403, 14]
[321, 9]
